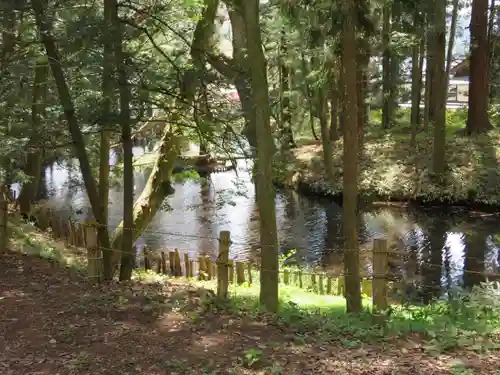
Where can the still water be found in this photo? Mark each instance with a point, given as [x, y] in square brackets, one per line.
[437, 248]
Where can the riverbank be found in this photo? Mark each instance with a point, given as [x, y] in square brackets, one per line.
[392, 171]
[177, 327]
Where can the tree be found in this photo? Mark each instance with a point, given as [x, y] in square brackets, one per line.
[128, 250]
[477, 120]
[264, 152]
[74, 129]
[351, 155]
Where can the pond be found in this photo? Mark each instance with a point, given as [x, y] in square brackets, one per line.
[438, 248]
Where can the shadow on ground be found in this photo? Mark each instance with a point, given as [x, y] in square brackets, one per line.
[54, 322]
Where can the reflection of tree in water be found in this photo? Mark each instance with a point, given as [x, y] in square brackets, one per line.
[474, 258]
[205, 216]
[434, 235]
[332, 256]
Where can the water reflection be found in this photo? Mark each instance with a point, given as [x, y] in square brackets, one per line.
[433, 246]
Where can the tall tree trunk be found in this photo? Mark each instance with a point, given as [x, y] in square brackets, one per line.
[285, 107]
[127, 257]
[307, 89]
[265, 150]
[416, 79]
[34, 159]
[451, 43]
[76, 134]
[351, 153]
[325, 136]
[107, 100]
[437, 98]
[478, 121]
[334, 103]
[491, 46]
[387, 105]
[395, 61]
[415, 94]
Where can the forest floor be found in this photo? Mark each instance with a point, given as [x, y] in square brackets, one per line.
[54, 322]
[392, 170]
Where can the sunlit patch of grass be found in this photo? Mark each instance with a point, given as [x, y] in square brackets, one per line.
[28, 240]
[468, 320]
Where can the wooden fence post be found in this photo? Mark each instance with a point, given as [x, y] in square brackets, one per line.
[222, 264]
[177, 263]
[240, 273]
[186, 265]
[147, 262]
[380, 274]
[94, 255]
[4, 230]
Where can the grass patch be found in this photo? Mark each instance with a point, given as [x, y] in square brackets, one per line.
[26, 239]
[467, 320]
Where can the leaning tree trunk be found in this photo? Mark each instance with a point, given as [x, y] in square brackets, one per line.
[76, 134]
[159, 186]
[351, 156]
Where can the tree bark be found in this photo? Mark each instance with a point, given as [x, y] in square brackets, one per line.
[478, 121]
[437, 98]
[35, 153]
[451, 43]
[265, 150]
[107, 100]
[387, 105]
[76, 134]
[127, 254]
[351, 154]
[325, 136]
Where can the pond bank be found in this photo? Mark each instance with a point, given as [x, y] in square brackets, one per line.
[390, 174]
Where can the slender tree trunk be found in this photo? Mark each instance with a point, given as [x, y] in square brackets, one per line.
[307, 89]
[421, 76]
[451, 43]
[34, 159]
[107, 100]
[491, 46]
[325, 136]
[334, 103]
[76, 134]
[127, 256]
[351, 153]
[438, 87]
[478, 121]
[265, 150]
[387, 105]
[415, 94]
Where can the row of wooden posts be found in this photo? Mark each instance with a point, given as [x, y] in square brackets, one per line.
[226, 271]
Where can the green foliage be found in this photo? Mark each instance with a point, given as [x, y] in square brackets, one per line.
[188, 174]
[467, 320]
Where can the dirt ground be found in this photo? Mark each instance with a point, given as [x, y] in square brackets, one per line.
[53, 322]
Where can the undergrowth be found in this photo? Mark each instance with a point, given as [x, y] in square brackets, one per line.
[393, 169]
[467, 319]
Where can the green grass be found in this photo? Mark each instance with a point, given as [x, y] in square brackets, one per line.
[468, 320]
